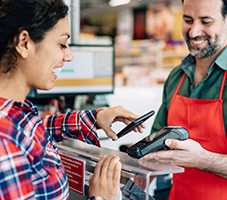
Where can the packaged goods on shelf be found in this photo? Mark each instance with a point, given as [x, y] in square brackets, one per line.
[148, 61]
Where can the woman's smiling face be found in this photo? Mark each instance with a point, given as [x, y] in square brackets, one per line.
[45, 57]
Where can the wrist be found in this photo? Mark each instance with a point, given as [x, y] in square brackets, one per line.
[97, 112]
[206, 160]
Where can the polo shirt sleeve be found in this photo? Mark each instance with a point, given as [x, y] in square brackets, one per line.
[161, 117]
[168, 90]
[75, 124]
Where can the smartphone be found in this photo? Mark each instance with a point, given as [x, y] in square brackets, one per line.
[143, 147]
[134, 124]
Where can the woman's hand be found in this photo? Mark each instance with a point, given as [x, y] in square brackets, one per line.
[106, 179]
[108, 116]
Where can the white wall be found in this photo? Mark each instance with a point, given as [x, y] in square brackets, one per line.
[139, 100]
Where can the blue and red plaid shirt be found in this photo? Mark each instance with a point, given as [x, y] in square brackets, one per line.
[30, 167]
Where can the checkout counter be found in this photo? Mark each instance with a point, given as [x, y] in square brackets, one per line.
[79, 160]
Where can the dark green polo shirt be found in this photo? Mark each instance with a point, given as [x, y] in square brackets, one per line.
[208, 88]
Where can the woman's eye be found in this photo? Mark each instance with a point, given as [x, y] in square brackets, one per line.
[63, 46]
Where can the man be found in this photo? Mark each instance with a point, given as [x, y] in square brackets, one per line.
[195, 97]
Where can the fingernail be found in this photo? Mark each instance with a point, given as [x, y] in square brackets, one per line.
[117, 158]
[114, 138]
[143, 158]
[168, 142]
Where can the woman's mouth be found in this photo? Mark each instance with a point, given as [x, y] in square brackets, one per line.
[55, 71]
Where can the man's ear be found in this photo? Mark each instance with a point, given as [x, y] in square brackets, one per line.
[22, 45]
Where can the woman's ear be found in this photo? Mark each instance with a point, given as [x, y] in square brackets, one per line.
[22, 45]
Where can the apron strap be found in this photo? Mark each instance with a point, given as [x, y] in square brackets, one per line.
[222, 85]
[221, 89]
[179, 85]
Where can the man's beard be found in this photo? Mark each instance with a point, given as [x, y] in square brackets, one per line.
[207, 51]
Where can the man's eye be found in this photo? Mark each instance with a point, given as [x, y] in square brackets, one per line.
[206, 22]
[188, 21]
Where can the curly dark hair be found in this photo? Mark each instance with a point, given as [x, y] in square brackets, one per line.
[35, 16]
[223, 10]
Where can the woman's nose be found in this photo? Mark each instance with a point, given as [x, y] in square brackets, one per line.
[68, 55]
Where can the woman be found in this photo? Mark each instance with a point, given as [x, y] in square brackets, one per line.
[33, 44]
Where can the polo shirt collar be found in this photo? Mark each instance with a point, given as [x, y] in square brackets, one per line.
[188, 64]
[221, 60]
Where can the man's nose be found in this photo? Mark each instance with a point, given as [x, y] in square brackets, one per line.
[196, 30]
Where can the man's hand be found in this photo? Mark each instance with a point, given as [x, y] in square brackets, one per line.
[187, 153]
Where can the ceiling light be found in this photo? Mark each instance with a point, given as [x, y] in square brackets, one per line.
[114, 3]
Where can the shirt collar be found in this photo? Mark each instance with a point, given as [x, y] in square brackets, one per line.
[221, 60]
[7, 104]
[188, 64]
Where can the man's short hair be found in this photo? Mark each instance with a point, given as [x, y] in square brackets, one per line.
[223, 10]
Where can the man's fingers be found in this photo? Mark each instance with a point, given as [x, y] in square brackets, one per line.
[176, 144]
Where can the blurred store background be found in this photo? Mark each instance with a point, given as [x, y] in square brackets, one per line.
[146, 34]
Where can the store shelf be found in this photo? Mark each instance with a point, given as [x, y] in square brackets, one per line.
[144, 53]
[148, 61]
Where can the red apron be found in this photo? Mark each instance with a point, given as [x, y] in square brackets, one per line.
[205, 123]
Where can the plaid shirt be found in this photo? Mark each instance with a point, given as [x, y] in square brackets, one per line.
[30, 167]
